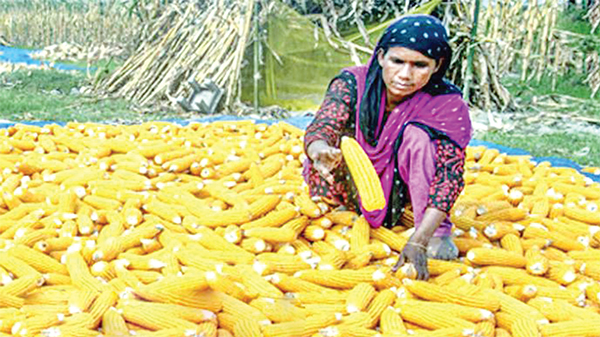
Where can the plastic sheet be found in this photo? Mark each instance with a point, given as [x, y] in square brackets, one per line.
[16, 55]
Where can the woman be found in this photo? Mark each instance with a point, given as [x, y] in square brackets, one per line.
[413, 125]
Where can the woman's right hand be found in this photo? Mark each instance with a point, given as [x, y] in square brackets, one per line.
[325, 158]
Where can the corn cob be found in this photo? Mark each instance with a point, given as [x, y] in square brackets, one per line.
[583, 328]
[279, 310]
[295, 285]
[425, 317]
[41, 262]
[246, 328]
[363, 174]
[434, 292]
[359, 297]
[499, 257]
[484, 329]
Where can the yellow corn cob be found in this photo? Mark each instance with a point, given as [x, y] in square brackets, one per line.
[307, 206]
[591, 269]
[583, 215]
[514, 307]
[295, 285]
[297, 225]
[364, 175]
[426, 317]
[113, 323]
[345, 218]
[151, 319]
[497, 230]
[34, 325]
[263, 205]
[359, 261]
[81, 300]
[246, 328]
[393, 240]
[382, 300]
[80, 273]
[271, 234]
[562, 273]
[512, 242]
[438, 267]
[558, 240]
[559, 310]
[187, 313]
[391, 322]
[240, 309]
[10, 301]
[583, 328]
[223, 284]
[498, 257]
[514, 276]
[341, 279]
[275, 262]
[434, 292]
[254, 245]
[43, 309]
[359, 297]
[509, 214]
[279, 310]
[313, 233]
[360, 234]
[41, 262]
[274, 218]
[521, 292]
[586, 255]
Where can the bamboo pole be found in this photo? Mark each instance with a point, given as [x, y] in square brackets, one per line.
[243, 36]
[469, 76]
[256, 57]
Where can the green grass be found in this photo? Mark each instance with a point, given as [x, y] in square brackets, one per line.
[572, 20]
[47, 95]
[570, 146]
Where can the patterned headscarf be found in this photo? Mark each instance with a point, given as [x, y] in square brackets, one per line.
[423, 33]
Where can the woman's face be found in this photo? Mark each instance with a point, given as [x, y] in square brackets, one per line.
[405, 71]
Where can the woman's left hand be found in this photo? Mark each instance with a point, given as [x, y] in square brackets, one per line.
[417, 255]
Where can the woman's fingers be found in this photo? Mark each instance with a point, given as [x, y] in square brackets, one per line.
[324, 171]
[399, 263]
[421, 266]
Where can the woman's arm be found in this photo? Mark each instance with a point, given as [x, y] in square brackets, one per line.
[323, 135]
[335, 114]
[445, 189]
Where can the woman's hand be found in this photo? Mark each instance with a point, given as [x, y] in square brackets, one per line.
[325, 158]
[416, 254]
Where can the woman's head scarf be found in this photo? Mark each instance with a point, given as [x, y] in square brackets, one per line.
[423, 33]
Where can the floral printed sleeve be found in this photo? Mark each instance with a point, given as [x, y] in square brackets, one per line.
[335, 118]
[448, 181]
[337, 113]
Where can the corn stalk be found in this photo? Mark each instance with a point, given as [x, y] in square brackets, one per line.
[38, 23]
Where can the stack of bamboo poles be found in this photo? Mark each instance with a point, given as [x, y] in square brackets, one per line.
[188, 41]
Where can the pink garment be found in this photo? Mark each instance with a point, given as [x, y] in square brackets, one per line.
[448, 114]
[416, 165]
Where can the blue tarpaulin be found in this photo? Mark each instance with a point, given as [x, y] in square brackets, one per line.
[17, 55]
[302, 123]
